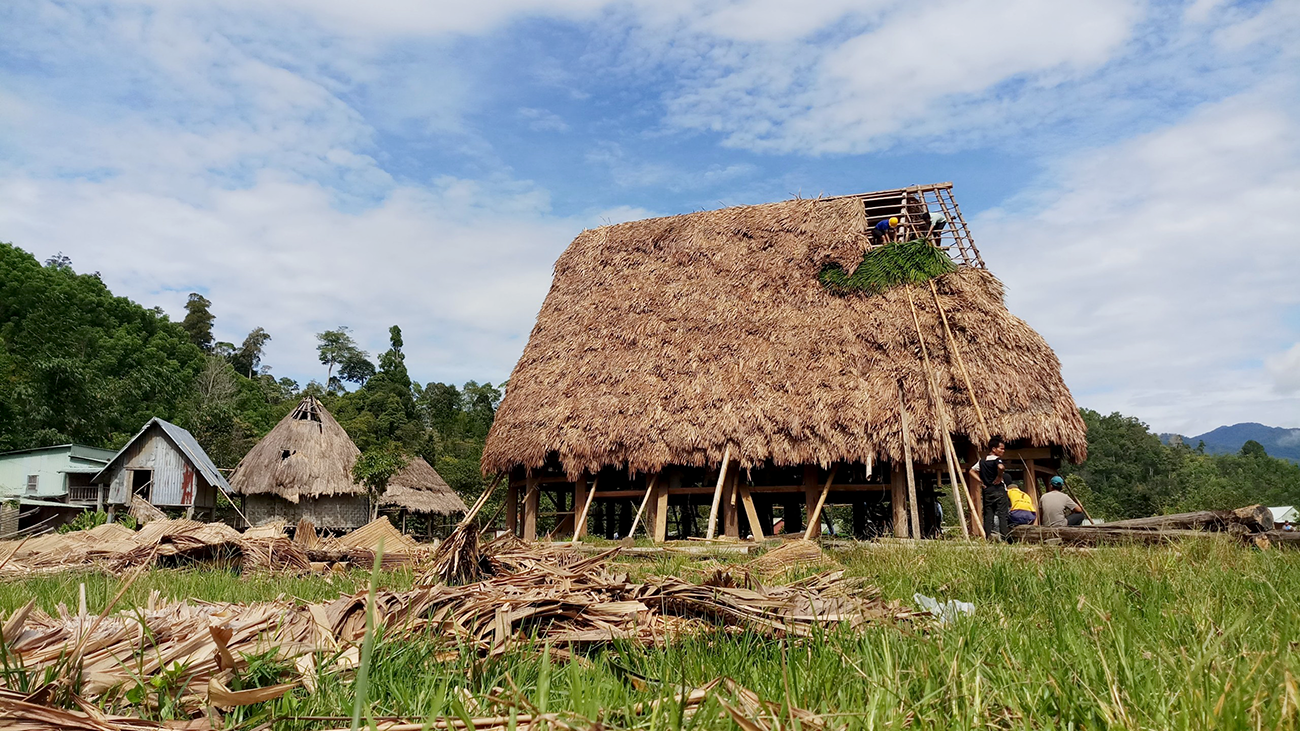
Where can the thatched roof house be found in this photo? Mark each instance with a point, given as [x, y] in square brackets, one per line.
[418, 488]
[668, 342]
[303, 469]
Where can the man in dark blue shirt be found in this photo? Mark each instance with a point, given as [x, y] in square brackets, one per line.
[997, 508]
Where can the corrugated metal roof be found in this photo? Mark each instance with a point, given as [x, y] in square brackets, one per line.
[37, 502]
[80, 451]
[187, 446]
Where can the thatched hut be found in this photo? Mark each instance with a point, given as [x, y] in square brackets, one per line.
[669, 346]
[303, 469]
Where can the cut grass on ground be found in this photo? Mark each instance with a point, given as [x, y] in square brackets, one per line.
[1193, 636]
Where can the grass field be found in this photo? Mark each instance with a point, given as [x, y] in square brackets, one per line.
[1196, 636]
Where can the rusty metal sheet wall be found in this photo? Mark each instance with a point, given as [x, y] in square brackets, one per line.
[154, 452]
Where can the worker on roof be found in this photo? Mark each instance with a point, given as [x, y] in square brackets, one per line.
[884, 231]
[989, 471]
[935, 223]
[1059, 509]
[1022, 506]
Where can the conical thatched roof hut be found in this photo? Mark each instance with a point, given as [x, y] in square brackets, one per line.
[303, 469]
[667, 343]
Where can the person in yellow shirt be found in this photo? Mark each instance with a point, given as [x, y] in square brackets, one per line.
[1022, 507]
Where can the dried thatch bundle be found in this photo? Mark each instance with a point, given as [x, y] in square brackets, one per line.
[306, 455]
[663, 341]
[419, 488]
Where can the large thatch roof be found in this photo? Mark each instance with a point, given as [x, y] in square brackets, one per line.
[420, 489]
[306, 455]
[662, 341]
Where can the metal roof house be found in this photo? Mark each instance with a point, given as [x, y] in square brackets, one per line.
[166, 466]
[49, 484]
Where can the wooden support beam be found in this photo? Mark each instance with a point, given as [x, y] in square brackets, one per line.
[649, 490]
[532, 498]
[717, 493]
[815, 517]
[751, 513]
[579, 499]
[811, 492]
[581, 522]
[1031, 487]
[512, 509]
[730, 512]
[898, 500]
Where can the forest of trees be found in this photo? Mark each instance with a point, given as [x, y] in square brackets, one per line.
[80, 365]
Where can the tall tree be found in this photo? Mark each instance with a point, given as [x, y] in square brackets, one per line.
[198, 321]
[336, 348]
[248, 357]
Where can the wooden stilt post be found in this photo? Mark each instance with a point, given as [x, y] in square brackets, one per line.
[898, 498]
[579, 499]
[532, 501]
[913, 513]
[730, 513]
[580, 526]
[660, 499]
[512, 508]
[815, 517]
[717, 493]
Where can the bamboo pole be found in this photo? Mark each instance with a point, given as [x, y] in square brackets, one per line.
[649, 490]
[717, 493]
[961, 363]
[950, 456]
[581, 520]
[814, 520]
[751, 513]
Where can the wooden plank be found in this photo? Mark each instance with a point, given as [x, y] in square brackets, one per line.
[660, 514]
[717, 493]
[751, 513]
[815, 517]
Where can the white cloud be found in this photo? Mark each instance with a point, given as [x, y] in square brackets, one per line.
[1161, 268]
[900, 70]
[1285, 369]
[462, 268]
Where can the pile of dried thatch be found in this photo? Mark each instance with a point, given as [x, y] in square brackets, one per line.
[551, 594]
[115, 549]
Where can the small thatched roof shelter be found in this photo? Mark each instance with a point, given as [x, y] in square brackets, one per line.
[303, 469]
[306, 455]
[663, 341]
[418, 488]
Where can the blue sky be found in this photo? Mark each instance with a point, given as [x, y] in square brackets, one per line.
[1131, 169]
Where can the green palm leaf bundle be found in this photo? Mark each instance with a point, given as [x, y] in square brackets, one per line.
[903, 262]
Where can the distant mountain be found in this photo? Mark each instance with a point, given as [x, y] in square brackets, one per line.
[1278, 442]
